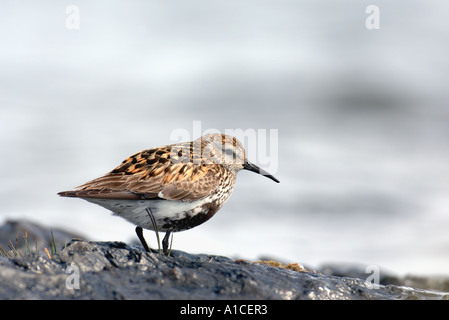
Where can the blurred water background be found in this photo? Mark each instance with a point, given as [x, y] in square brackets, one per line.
[362, 118]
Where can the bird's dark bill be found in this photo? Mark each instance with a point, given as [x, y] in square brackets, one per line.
[252, 167]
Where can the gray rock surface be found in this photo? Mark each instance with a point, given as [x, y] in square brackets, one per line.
[115, 270]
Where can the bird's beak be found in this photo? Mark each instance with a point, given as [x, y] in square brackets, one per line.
[252, 167]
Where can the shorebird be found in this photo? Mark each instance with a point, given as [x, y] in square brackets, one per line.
[171, 188]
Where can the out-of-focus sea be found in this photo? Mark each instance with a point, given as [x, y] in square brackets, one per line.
[362, 118]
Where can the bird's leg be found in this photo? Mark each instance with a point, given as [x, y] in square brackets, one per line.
[153, 221]
[171, 244]
[142, 239]
[165, 243]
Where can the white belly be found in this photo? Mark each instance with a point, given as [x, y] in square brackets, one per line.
[135, 211]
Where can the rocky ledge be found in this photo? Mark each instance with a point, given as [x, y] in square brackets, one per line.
[115, 270]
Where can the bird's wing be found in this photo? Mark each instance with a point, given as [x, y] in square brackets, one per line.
[150, 174]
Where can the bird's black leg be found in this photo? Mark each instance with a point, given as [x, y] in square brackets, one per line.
[153, 221]
[142, 239]
[165, 243]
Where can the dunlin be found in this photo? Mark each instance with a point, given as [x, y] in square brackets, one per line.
[171, 188]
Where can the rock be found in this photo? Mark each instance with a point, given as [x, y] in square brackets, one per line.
[432, 283]
[37, 235]
[115, 270]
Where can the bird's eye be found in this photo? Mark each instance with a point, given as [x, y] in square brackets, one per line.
[230, 152]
